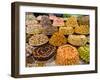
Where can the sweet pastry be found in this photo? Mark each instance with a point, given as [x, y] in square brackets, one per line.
[67, 55]
[30, 19]
[50, 30]
[39, 17]
[58, 22]
[57, 39]
[31, 22]
[83, 20]
[47, 25]
[84, 53]
[77, 40]
[44, 52]
[82, 29]
[66, 30]
[45, 21]
[34, 29]
[52, 17]
[29, 60]
[29, 49]
[38, 39]
[72, 22]
[27, 37]
[30, 16]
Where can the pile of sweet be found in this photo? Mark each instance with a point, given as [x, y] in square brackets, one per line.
[52, 38]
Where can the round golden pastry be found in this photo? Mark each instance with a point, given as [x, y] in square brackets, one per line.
[82, 29]
[57, 39]
[66, 30]
[77, 40]
[38, 39]
[72, 22]
[67, 55]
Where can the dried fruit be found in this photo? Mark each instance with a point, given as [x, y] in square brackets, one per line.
[67, 55]
[57, 39]
[82, 29]
[84, 53]
[77, 40]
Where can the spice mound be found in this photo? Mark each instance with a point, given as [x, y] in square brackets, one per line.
[67, 55]
[77, 40]
[84, 53]
[44, 52]
[38, 39]
[82, 29]
[57, 39]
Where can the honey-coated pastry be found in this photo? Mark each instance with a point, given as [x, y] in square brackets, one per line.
[77, 40]
[67, 55]
[82, 29]
[72, 22]
[44, 52]
[57, 39]
[66, 30]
